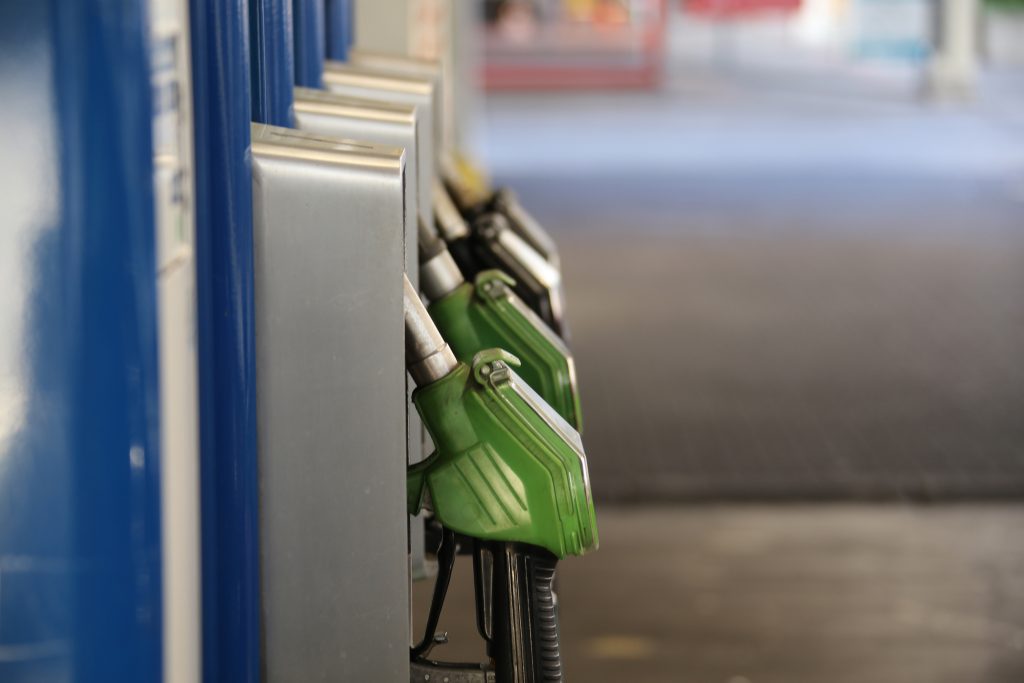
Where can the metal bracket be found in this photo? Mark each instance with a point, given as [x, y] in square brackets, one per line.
[426, 671]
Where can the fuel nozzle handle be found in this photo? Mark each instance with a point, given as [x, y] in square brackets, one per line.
[427, 356]
[525, 225]
[523, 629]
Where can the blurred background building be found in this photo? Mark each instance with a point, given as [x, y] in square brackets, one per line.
[794, 251]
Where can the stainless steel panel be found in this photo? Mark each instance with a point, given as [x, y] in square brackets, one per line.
[430, 69]
[376, 121]
[328, 239]
[384, 86]
[390, 88]
[326, 113]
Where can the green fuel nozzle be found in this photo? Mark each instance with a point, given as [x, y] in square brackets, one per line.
[474, 198]
[506, 465]
[488, 314]
[487, 240]
[505, 202]
[509, 473]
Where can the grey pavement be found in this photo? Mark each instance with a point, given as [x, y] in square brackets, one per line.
[786, 594]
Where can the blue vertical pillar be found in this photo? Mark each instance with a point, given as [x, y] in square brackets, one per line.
[272, 67]
[310, 37]
[108, 223]
[227, 384]
[338, 17]
[80, 547]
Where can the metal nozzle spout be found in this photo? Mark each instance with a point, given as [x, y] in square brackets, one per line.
[429, 242]
[449, 220]
[427, 356]
[439, 274]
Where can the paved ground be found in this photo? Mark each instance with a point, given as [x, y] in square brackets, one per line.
[786, 283]
[787, 594]
[781, 336]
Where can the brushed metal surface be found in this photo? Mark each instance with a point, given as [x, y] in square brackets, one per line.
[328, 234]
[414, 67]
[384, 86]
[377, 122]
[427, 356]
[391, 89]
[327, 113]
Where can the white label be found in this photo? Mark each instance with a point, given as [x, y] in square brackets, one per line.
[179, 421]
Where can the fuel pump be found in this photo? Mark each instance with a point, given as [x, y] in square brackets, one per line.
[487, 314]
[488, 241]
[509, 473]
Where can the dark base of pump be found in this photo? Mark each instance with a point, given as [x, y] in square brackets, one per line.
[516, 614]
[425, 670]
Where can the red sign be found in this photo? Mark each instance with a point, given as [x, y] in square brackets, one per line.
[739, 8]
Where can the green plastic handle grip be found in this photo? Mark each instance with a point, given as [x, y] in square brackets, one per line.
[506, 467]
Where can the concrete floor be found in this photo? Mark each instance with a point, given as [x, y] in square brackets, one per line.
[768, 336]
[786, 594]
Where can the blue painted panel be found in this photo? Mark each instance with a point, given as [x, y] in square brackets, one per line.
[227, 384]
[272, 66]
[79, 413]
[36, 475]
[339, 28]
[310, 38]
